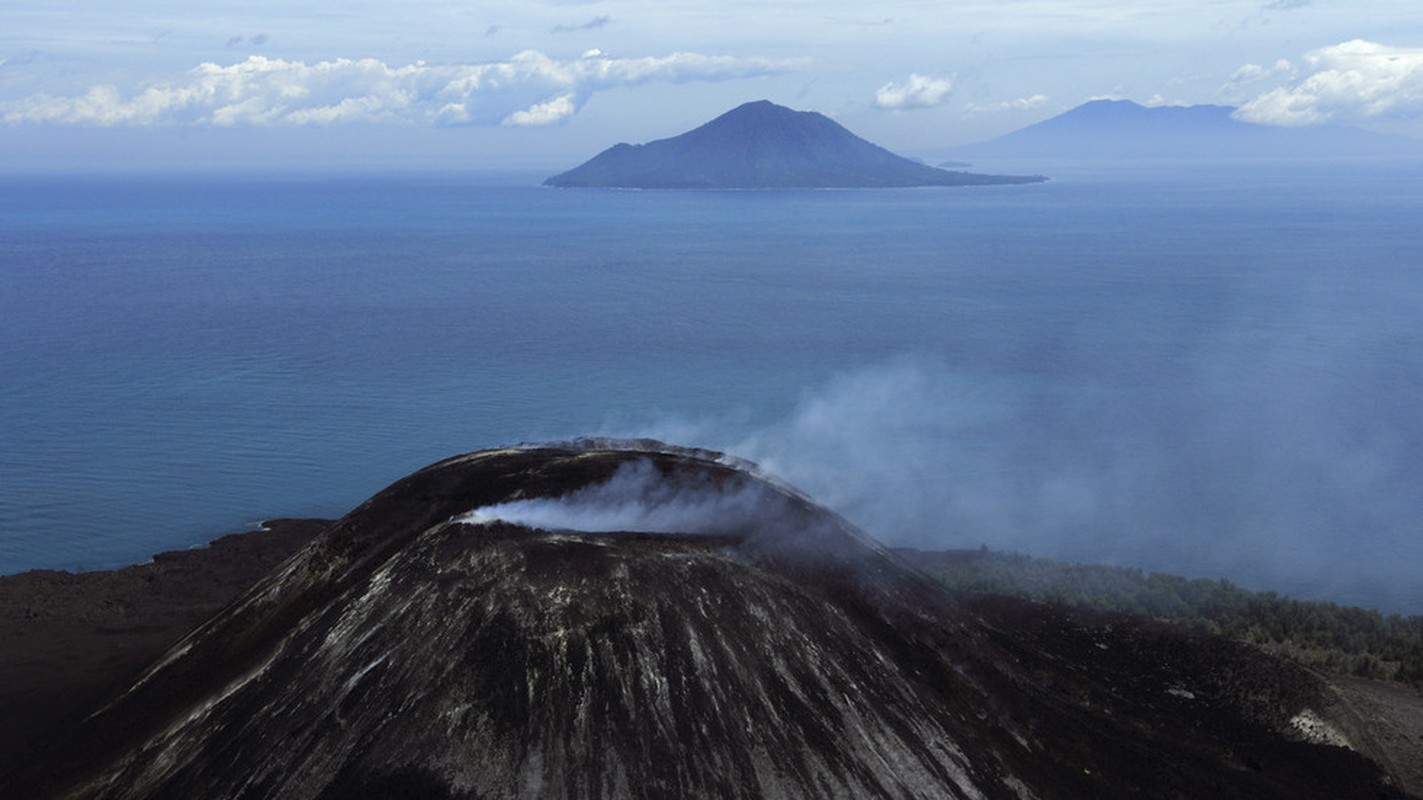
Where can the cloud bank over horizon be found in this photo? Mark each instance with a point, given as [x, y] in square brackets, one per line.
[1351, 82]
[529, 89]
[914, 78]
[1355, 81]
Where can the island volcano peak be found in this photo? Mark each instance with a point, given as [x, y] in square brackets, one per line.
[1116, 130]
[761, 145]
[412, 649]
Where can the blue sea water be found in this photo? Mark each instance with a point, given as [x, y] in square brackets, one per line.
[1214, 370]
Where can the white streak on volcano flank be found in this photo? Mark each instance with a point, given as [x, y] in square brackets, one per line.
[640, 498]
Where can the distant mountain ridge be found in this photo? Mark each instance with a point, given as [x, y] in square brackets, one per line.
[1116, 129]
[761, 145]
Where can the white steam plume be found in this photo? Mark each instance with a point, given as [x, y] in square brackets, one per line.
[1262, 469]
[640, 498]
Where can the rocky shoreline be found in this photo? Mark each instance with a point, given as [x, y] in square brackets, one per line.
[70, 638]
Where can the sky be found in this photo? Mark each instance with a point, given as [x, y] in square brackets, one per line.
[546, 84]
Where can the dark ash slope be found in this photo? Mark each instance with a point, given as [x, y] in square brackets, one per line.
[67, 640]
[404, 654]
[761, 145]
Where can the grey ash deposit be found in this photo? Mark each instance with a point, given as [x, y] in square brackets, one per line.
[436, 643]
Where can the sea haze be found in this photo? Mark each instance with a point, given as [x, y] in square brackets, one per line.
[1213, 370]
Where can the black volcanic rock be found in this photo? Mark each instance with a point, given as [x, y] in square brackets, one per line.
[68, 639]
[760, 647]
[1118, 129]
[761, 145]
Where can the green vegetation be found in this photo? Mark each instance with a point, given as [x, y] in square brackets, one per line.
[1338, 638]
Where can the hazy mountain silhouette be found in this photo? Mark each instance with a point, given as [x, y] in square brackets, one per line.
[436, 643]
[1114, 129]
[761, 145]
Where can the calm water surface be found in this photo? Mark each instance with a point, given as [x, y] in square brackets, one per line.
[1216, 371]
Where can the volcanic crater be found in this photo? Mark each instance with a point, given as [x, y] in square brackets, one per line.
[715, 634]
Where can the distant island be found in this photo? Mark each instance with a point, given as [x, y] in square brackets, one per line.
[761, 145]
[1121, 129]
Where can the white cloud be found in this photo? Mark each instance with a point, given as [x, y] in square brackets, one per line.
[1352, 81]
[1025, 103]
[555, 110]
[920, 91]
[590, 25]
[1251, 73]
[1159, 100]
[1020, 104]
[530, 88]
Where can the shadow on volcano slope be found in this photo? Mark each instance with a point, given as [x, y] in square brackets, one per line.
[677, 625]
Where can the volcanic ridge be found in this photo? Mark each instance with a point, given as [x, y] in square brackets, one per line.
[629, 619]
[761, 145]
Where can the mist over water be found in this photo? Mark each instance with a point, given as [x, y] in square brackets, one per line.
[1210, 370]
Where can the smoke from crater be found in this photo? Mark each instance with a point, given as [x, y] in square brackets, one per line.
[1261, 470]
[641, 498]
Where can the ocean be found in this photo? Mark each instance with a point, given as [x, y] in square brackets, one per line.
[1209, 369]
